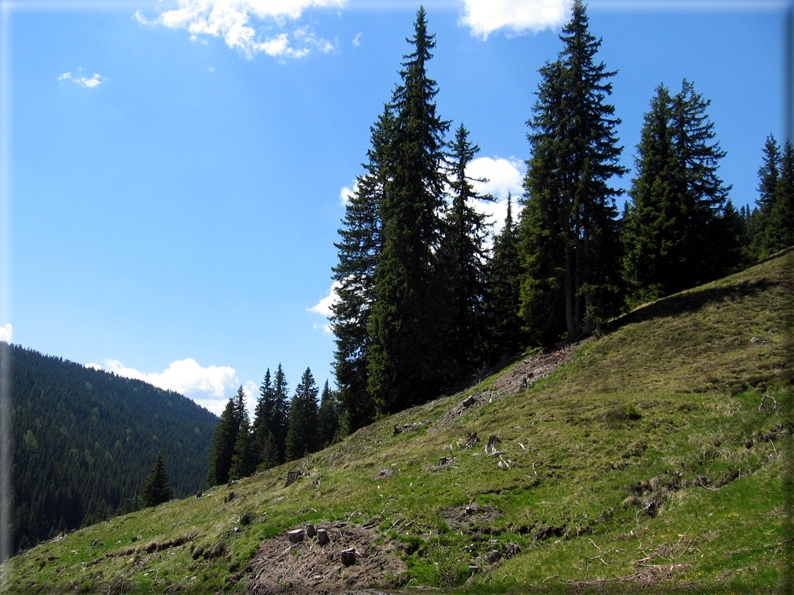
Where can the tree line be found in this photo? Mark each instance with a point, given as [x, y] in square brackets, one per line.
[424, 302]
[282, 429]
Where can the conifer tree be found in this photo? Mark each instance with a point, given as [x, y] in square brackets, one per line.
[768, 176]
[655, 234]
[328, 417]
[269, 427]
[705, 196]
[280, 412]
[569, 231]
[354, 275]
[260, 432]
[223, 441]
[244, 459]
[156, 489]
[504, 334]
[679, 229]
[268, 453]
[779, 225]
[404, 320]
[302, 435]
[462, 261]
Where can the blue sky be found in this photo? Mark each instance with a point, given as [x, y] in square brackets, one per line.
[173, 172]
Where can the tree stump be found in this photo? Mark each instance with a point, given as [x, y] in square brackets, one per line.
[348, 556]
[292, 477]
[322, 537]
[296, 536]
[310, 530]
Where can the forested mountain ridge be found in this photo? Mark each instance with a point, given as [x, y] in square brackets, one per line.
[83, 441]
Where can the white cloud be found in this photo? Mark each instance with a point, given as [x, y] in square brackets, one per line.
[323, 307]
[503, 177]
[516, 16]
[251, 392]
[209, 386]
[6, 332]
[346, 193]
[86, 82]
[249, 26]
[357, 40]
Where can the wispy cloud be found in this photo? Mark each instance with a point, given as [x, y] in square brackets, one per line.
[7, 333]
[209, 386]
[249, 26]
[83, 81]
[484, 17]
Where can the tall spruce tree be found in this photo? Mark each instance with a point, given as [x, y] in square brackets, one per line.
[244, 460]
[705, 195]
[404, 320]
[302, 434]
[271, 414]
[354, 277]
[679, 228]
[462, 259]
[261, 435]
[156, 489]
[569, 230]
[504, 333]
[779, 225]
[655, 235]
[768, 176]
[223, 441]
[328, 417]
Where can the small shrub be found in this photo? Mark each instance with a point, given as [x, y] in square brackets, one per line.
[631, 412]
[446, 570]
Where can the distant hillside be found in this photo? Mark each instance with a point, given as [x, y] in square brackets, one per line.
[655, 458]
[84, 441]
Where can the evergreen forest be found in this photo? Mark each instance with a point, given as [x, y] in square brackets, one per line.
[429, 297]
[84, 441]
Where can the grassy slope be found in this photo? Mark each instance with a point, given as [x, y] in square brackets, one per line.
[644, 462]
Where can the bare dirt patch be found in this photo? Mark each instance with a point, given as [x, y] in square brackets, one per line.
[308, 567]
[535, 367]
[470, 517]
[515, 380]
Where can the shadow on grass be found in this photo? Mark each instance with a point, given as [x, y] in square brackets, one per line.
[692, 301]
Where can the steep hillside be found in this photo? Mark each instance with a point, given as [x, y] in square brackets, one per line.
[84, 440]
[653, 457]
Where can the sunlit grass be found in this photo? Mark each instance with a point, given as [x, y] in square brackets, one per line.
[652, 461]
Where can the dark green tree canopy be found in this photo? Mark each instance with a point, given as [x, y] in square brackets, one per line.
[461, 266]
[302, 435]
[245, 457]
[569, 231]
[156, 489]
[223, 442]
[404, 320]
[504, 332]
[679, 229]
[775, 217]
